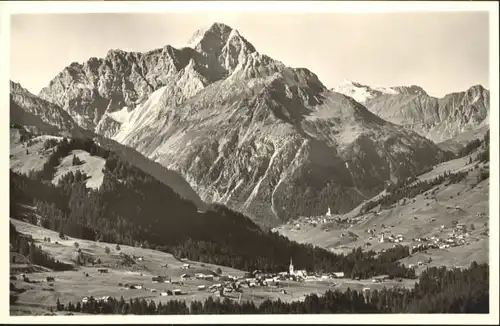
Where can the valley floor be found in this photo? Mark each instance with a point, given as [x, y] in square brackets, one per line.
[38, 296]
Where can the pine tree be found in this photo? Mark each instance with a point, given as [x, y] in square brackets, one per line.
[75, 160]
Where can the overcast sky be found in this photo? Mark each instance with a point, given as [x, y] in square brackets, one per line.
[442, 52]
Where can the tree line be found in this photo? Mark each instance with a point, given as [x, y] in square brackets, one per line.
[25, 246]
[410, 191]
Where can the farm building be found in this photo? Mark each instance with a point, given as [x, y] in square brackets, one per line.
[186, 266]
[102, 270]
[159, 279]
[338, 274]
[379, 279]
[201, 287]
[177, 292]
[87, 299]
[105, 298]
[133, 286]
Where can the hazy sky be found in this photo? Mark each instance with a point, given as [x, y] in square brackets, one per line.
[442, 52]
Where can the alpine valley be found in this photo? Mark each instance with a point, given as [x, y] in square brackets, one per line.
[214, 159]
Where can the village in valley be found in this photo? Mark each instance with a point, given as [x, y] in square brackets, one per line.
[134, 272]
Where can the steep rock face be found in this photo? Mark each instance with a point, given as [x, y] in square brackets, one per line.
[247, 131]
[438, 119]
[29, 110]
[276, 149]
[90, 90]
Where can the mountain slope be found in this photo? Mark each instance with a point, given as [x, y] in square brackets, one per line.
[40, 117]
[438, 119]
[31, 111]
[242, 128]
[428, 210]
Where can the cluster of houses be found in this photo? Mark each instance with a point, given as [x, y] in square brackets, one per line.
[129, 286]
[171, 292]
[227, 283]
[92, 298]
[380, 279]
[418, 264]
[391, 238]
[457, 237]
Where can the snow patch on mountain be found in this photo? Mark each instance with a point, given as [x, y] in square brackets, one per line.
[121, 116]
[361, 93]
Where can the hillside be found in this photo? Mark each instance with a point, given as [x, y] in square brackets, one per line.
[434, 212]
[32, 155]
[32, 116]
[242, 128]
[38, 114]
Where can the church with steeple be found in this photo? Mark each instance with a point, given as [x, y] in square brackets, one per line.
[294, 272]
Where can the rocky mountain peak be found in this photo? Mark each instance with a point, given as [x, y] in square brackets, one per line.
[223, 46]
[215, 33]
[16, 87]
[410, 90]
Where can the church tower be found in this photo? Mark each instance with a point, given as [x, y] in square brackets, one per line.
[291, 267]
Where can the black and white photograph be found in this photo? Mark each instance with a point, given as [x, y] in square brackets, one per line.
[260, 159]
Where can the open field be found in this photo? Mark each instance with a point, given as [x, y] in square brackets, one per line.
[91, 166]
[26, 157]
[31, 156]
[39, 296]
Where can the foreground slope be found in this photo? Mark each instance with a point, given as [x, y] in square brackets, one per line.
[135, 265]
[242, 128]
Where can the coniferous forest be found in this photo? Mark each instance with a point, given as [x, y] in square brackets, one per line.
[133, 208]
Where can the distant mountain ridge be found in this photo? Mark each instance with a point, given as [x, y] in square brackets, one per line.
[242, 128]
[439, 119]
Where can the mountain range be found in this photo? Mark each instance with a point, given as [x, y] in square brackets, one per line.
[438, 119]
[245, 130]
